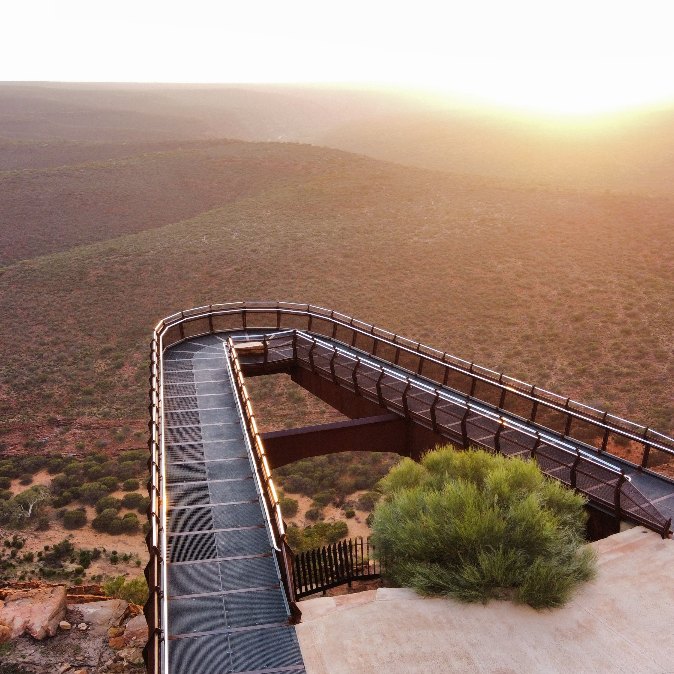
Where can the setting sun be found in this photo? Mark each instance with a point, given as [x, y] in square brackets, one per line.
[567, 59]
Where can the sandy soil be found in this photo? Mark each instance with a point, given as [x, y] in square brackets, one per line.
[88, 538]
[357, 525]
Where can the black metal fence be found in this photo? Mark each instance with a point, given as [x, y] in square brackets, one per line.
[336, 564]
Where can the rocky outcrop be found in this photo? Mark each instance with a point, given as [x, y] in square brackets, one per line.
[36, 611]
[101, 615]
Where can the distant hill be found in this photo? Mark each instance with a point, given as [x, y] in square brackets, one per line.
[53, 209]
[630, 153]
[569, 290]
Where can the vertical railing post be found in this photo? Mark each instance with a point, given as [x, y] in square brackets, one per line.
[406, 408]
[464, 428]
[434, 422]
[618, 490]
[497, 435]
[354, 377]
[380, 395]
[332, 366]
[574, 468]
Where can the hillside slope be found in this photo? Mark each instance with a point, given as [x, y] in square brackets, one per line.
[551, 286]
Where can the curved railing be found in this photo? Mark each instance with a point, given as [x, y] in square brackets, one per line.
[581, 423]
[572, 419]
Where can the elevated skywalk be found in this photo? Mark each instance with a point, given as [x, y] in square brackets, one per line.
[222, 597]
[226, 610]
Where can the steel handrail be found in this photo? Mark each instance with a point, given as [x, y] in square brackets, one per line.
[604, 421]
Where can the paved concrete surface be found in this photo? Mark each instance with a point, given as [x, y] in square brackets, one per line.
[620, 622]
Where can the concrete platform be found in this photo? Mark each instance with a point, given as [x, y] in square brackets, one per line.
[620, 622]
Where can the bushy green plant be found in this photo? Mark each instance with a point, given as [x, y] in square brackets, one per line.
[134, 590]
[108, 502]
[477, 526]
[134, 500]
[74, 519]
[289, 506]
[317, 535]
[131, 484]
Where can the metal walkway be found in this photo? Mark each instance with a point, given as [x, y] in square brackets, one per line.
[226, 609]
[222, 595]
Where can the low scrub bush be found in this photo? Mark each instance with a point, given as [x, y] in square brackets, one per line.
[289, 506]
[108, 502]
[74, 519]
[134, 501]
[478, 526]
[134, 590]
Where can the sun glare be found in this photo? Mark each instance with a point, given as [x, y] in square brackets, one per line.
[571, 58]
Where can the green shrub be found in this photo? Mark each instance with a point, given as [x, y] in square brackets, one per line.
[130, 523]
[478, 526]
[5, 494]
[131, 484]
[91, 492]
[55, 465]
[289, 506]
[368, 500]
[349, 513]
[111, 482]
[314, 514]
[5, 482]
[108, 502]
[25, 478]
[134, 501]
[74, 519]
[134, 590]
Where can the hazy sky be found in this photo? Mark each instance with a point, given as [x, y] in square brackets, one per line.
[571, 56]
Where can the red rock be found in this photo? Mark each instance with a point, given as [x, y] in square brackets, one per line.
[135, 633]
[34, 611]
[116, 642]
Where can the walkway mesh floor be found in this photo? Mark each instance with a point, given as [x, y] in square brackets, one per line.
[226, 610]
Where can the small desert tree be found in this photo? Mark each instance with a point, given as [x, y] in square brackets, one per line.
[477, 526]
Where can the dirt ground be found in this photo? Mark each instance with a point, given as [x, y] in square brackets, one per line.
[87, 537]
[331, 513]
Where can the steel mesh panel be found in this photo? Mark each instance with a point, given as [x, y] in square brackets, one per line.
[201, 655]
[178, 377]
[237, 515]
[179, 390]
[230, 469]
[265, 648]
[184, 452]
[175, 404]
[172, 419]
[232, 490]
[211, 387]
[181, 435]
[191, 547]
[259, 607]
[224, 414]
[210, 374]
[196, 614]
[188, 495]
[221, 432]
[178, 365]
[186, 472]
[589, 484]
[190, 519]
[193, 578]
[513, 442]
[242, 542]
[227, 449]
[236, 574]
[553, 462]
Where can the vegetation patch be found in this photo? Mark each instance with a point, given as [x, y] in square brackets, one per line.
[478, 526]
